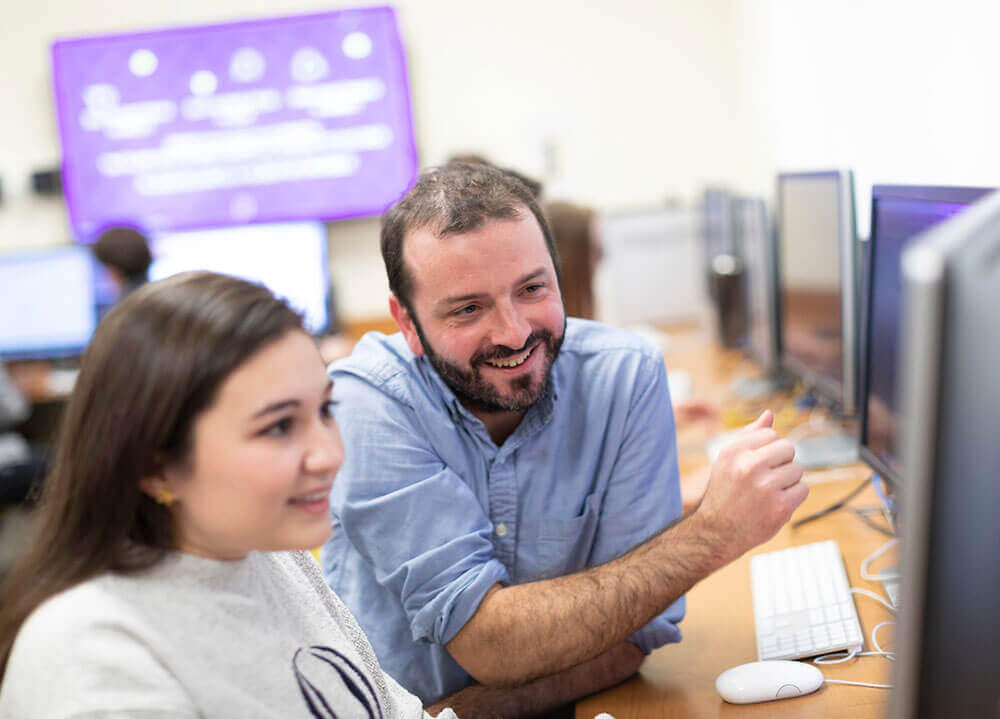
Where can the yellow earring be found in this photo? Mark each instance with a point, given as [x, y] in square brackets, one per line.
[164, 496]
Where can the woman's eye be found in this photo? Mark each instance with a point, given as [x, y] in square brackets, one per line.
[326, 410]
[280, 428]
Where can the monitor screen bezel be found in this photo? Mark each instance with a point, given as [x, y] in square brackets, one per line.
[843, 393]
[917, 193]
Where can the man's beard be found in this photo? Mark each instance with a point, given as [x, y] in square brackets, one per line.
[477, 394]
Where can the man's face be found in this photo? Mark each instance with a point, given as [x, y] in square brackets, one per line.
[486, 311]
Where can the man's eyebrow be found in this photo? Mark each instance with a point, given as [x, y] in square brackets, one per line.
[456, 299]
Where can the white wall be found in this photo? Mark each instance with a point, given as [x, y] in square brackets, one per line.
[613, 104]
[899, 90]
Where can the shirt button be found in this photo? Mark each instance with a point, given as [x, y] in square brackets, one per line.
[501, 530]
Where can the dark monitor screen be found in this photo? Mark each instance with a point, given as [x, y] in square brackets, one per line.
[48, 307]
[816, 242]
[898, 215]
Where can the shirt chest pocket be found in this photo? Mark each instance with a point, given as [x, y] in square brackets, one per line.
[552, 546]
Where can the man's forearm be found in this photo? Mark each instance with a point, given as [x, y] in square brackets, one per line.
[544, 694]
[559, 623]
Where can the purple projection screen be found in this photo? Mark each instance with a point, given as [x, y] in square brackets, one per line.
[297, 118]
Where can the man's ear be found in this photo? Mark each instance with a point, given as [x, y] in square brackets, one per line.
[406, 326]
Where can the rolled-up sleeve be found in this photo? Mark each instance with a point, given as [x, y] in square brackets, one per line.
[409, 515]
[643, 495]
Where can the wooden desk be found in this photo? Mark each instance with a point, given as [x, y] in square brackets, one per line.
[678, 680]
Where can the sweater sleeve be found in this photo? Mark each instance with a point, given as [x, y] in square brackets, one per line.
[73, 659]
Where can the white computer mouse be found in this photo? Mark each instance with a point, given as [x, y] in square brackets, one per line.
[767, 681]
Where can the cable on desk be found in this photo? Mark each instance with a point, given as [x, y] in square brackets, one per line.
[832, 508]
[858, 684]
[864, 514]
[850, 654]
[867, 562]
[873, 595]
[878, 648]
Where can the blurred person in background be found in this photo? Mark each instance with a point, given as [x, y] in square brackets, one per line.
[21, 466]
[579, 254]
[124, 252]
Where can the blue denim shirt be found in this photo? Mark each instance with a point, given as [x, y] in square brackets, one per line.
[428, 513]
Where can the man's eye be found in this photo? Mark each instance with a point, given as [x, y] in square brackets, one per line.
[531, 289]
[280, 428]
[467, 310]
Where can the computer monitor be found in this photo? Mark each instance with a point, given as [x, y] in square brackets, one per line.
[898, 215]
[265, 120]
[816, 231]
[718, 237]
[948, 635]
[756, 245]
[48, 308]
[290, 259]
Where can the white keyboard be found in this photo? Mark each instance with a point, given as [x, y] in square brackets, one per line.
[802, 605]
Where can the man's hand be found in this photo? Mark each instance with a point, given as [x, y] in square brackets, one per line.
[754, 487]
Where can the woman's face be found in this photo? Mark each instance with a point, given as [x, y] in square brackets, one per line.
[263, 459]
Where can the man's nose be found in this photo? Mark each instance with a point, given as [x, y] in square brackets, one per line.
[511, 328]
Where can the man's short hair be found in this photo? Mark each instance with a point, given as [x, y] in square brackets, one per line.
[457, 197]
[124, 249]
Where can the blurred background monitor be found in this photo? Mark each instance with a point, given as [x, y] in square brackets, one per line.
[664, 242]
[898, 215]
[756, 243]
[281, 119]
[948, 636]
[290, 259]
[48, 308]
[723, 266]
[817, 244]
[718, 236]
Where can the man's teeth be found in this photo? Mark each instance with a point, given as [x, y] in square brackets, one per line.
[511, 361]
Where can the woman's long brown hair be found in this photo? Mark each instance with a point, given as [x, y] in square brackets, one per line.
[156, 361]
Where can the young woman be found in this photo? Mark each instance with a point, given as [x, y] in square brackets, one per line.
[197, 450]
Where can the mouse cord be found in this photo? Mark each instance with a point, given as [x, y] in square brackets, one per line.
[867, 563]
[852, 653]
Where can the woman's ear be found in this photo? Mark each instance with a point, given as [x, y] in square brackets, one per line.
[158, 484]
[158, 488]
